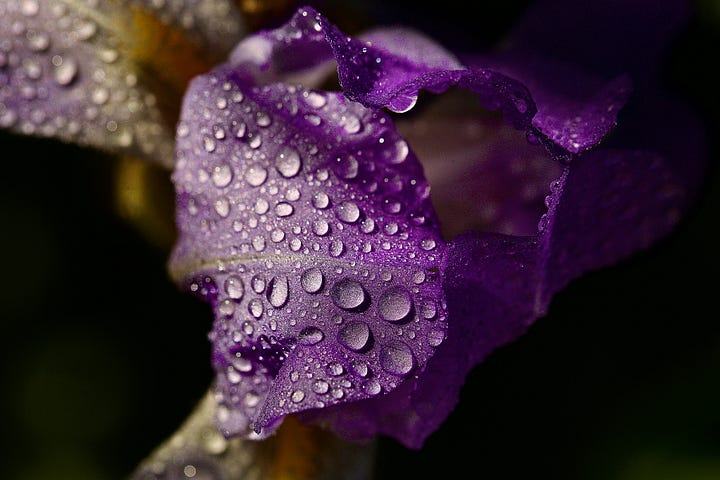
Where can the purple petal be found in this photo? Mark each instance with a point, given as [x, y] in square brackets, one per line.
[96, 76]
[305, 221]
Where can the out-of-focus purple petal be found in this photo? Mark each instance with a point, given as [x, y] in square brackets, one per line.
[305, 221]
[80, 73]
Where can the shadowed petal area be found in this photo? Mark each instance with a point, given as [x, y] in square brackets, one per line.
[305, 221]
[105, 74]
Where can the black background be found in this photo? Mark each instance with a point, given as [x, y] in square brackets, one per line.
[102, 357]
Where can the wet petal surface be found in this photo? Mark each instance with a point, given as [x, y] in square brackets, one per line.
[305, 221]
[104, 74]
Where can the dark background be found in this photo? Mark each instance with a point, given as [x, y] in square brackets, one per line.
[102, 357]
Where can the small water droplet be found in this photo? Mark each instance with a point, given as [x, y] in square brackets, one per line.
[315, 99]
[222, 207]
[335, 369]
[256, 175]
[337, 248]
[371, 387]
[320, 200]
[234, 287]
[38, 41]
[360, 368]
[255, 307]
[347, 167]
[435, 337]
[297, 396]
[278, 291]
[348, 294]
[355, 336]
[277, 235]
[247, 327]
[428, 309]
[396, 358]
[348, 212]
[321, 227]
[226, 307]
[222, 175]
[209, 144]
[419, 277]
[263, 119]
[258, 243]
[261, 206]
[312, 280]
[351, 123]
[284, 209]
[310, 336]
[367, 225]
[66, 72]
[320, 387]
[288, 162]
[427, 244]
[258, 283]
[29, 8]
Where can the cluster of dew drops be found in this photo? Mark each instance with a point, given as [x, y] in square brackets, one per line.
[308, 247]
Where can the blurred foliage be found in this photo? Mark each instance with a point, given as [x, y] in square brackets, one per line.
[103, 358]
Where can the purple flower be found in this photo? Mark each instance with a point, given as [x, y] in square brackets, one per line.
[340, 292]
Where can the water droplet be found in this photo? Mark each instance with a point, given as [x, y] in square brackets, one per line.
[401, 152]
[258, 284]
[66, 72]
[351, 123]
[263, 119]
[297, 396]
[234, 287]
[312, 280]
[371, 387]
[255, 307]
[337, 248]
[435, 337]
[320, 200]
[247, 327]
[261, 206]
[258, 243]
[222, 207]
[100, 96]
[347, 167]
[288, 162]
[310, 336]
[360, 368]
[348, 212]
[395, 304]
[335, 369]
[321, 227]
[396, 358]
[367, 225]
[38, 41]
[226, 307]
[277, 235]
[209, 144]
[391, 228]
[427, 244]
[419, 277]
[277, 292]
[256, 175]
[315, 99]
[222, 175]
[295, 244]
[355, 336]
[284, 209]
[320, 387]
[29, 8]
[292, 194]
[251, 399]
[428, 309]
[348, 294]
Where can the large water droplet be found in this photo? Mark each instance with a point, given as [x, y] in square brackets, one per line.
[278, 291]
[348, 294]
[310, 336]
[288, 162]
[395, 304]
[234, 287]
[355, 336]
[348, 212]
[396, 358]
[312, 280]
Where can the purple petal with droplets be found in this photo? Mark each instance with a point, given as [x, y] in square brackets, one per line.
[69, 70]
[315, 205]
